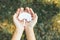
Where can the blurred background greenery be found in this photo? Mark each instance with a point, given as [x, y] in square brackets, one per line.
[48, 25]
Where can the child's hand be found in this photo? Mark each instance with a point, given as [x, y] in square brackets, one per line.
[18, 23]
[34, 18]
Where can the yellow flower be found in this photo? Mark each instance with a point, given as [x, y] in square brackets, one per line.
[55, 1]
[11, 29]
[5, 23]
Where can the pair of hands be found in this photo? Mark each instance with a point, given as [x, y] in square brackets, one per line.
[19, 23]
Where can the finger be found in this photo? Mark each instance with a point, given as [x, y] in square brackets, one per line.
[21, 9]
[15, 17]
[35, 16]
[21, 21]
[17, 20]
[27, 9]
[31, 12]
[34, 21]
[17, 12]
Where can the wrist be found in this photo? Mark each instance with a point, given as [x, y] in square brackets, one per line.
[19, 29]
[28, 28]
[17, 34]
